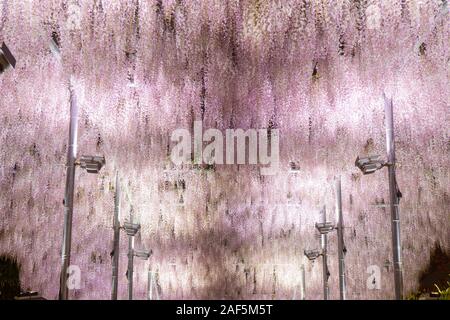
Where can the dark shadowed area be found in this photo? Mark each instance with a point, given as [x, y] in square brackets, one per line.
[9, 277]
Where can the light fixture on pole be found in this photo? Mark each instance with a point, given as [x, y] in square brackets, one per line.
[373, 163]
[142, 254]
[92, 164]
[6, 58]
[312, 254]
[394, 197]
[131, 229]
[68, 196]
[370, 164]
[324, 228]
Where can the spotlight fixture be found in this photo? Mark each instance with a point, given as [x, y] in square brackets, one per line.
[142, 254]
[325, 227]
[131, 228]
[92, 164]
[370, 164]
[312, 254]
[6, 58]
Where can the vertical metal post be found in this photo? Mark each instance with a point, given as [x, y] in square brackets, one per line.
[149, 288]
[152, 284]
[130, 266]
[324, 244]
[116, 241]
[393, 200]
[303, 288]
[340, 234]
[68, 195]
[130, 262]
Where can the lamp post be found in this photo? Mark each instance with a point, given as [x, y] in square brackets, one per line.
[324, 246]
[68, 195]
[371, 164]
[116, 241]
[92, 164]
[341, 246]
[130, 266]
[131, 229]
[150, 285]
[394, 195]
[142, 254]
[324, 228]
[303, 287]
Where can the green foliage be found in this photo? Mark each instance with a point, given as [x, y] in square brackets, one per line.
[440, 294]
[413, 296]
[444, 294]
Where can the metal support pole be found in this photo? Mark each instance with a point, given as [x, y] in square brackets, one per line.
[324, 243]
[393, 200]
[152, 284]
[69, 191]
[116, 241]
[302, 289]
[340, 234]
[149, 289]
[130, 266]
